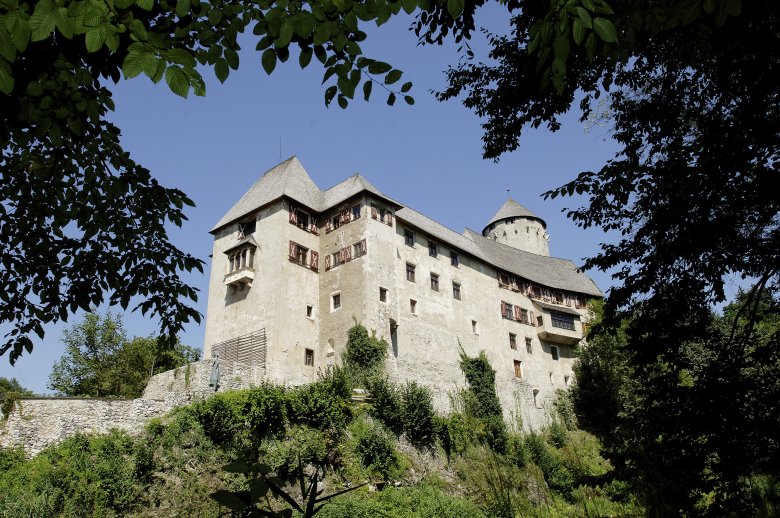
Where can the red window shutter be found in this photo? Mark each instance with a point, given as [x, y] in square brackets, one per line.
[293, 216]
[373, 212]
[503, 308]
[518, 314]
[314, 261]
[390, 218]
[328, 225]
[532, 318]
[293, 251]
[327, 262]
[348, 253]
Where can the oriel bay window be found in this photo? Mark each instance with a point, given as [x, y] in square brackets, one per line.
[562, 320]
[241, 258]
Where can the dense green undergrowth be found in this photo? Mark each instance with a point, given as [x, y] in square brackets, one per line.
[413, 462]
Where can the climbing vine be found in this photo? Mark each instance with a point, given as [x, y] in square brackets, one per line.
[481, 400]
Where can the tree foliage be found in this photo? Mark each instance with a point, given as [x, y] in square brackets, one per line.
[100, 361]
[694, 428]
[8, 386]
[481, 399]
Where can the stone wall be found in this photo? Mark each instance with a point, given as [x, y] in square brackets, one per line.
[35, 423]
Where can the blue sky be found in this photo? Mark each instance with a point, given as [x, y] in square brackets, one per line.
[427, 156]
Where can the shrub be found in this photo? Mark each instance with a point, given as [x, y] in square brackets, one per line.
[386, 403]
[482, 400]
[302, 444]
[377, 453]
[564, 408]
[516, 451]
[364, 355]
[557, 434]
[324, 405]
[417, 415]
[558, 476]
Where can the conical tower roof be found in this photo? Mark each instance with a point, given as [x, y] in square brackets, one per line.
[512, 209]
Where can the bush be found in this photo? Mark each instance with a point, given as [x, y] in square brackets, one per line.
[364, 355]
[516, 451]
[324, 405]
[481, 401]
[377, 453]
[558, 476]
[557, 434]
[418, 416]
[301, 445]
[386, 404]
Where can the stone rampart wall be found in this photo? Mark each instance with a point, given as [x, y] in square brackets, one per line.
[35, 423]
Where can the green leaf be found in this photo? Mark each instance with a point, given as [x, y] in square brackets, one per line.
[269, 61]
[367, 86]
[605, 30]
[65, 24]
[393, 76]
[183, 8]
[221, 69]
[229, 500]
[215, 16]
[7, 47]
[455, 8]
[177, 81]
[343, 103]
[304, 58]
[391, 99]
[137, 28]
[231, 56]
[330, 93]
[708, 6]
[146, 5]
[19, 28]
[181, 57]
[409, 5]
[378, 67]
[561, 47]
[585, 18]
[42, 21]
[132, 65]
[406, 87]
[578, 32]
[590, 46]
[6, 79]
[95, 38]
[409, 99]
[285, 35]
[149, 64]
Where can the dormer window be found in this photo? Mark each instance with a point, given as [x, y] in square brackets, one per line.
[246, 229]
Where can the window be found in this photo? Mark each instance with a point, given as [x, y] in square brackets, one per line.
[309, 357]
[243, 258]
[539, 321]
[298, 253]
[529, 347]
[562, 320]
[536, 398]
[454, 261]
[474, 327]
[524, 316]
[383, 294]
[507, 310]
[413, 306]
[246, 229]
[359, 248]
[336, 298]
[518, 369]
[434, 282]
[356, 212]
[336, 259]
[309, 311]
[409, 238]
[433, 249]
[456, 290]
[554, 352]
[314, 261]
[512, 341]
[409, 272]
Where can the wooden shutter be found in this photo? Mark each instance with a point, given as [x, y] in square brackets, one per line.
[503, 309]
[348, 253]
[327, 262]
[293, 251]
[518, 313]
[362, 247]
[314, 226]
[373, 212]
[293, 216]
[314, 261]
[532, 318]
[389, 218]
[328, 225]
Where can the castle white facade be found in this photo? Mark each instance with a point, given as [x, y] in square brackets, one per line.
[294, 266]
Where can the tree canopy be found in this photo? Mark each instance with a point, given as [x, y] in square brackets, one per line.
[12, 385]
[99, 360]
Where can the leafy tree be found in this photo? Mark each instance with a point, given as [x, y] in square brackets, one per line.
[694, 428]
[481, 398]
[100, 361]
[12, 385]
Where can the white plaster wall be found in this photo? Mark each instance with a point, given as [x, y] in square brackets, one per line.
[522, 233]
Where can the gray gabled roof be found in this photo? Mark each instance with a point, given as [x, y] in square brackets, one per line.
[512, 209]
[550, 272]
[290, 179]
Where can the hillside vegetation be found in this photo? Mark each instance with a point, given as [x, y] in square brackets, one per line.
[402, 458]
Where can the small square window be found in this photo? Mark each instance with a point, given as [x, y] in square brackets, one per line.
[383, 294]
[554, 352]
[409, 272]
[454, 260]
[529, 348]
[434, 282]
[433, 249]
[512, 341]
[474, 327]
[309, 357]
[309, 311]
[518, 369]
[456, 290]
[356, 212]
[246, 229]
[413, 306]
[409, 237]
[336, 301]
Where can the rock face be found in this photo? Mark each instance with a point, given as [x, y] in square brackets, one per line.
[35, 423]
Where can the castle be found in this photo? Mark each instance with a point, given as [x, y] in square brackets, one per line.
[294, 266]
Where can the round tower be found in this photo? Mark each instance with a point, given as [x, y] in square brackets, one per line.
[518, 227]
